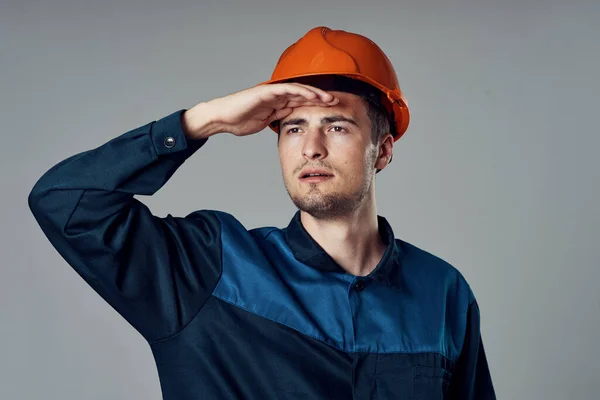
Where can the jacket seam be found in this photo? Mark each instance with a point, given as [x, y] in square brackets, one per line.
[66, 226]
[177, 332]
[464, 339]
[329, 344]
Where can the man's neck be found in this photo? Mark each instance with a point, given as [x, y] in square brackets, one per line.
[352, 241]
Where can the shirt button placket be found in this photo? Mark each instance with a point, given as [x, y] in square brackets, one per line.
[355, 305]
[359, 286]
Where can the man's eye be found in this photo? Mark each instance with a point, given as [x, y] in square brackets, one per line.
[338, 128]
[293, 130]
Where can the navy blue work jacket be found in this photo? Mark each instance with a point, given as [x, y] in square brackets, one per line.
[262, 313]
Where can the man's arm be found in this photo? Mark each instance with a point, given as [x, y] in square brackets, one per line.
[156, 272]
[471, 379]
[144, 266]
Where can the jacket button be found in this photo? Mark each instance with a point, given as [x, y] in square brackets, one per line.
[359, 286]
[169, 142]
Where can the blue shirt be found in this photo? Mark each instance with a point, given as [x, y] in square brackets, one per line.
[263, 313]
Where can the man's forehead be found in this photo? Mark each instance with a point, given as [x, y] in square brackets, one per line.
[349, 105]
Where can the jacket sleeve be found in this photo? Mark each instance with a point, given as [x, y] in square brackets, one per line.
[471, 379]
[155, 272]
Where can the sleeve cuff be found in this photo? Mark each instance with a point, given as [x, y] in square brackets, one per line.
[169, 139]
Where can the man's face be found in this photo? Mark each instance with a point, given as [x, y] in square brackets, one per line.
[334, 141]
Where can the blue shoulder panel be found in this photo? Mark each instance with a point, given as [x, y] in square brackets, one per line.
[425, 313]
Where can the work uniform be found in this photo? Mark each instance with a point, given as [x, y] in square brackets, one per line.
[263, 313]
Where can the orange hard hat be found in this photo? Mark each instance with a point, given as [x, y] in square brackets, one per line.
[323, 51]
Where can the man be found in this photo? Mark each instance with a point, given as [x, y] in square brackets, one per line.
[332, 306]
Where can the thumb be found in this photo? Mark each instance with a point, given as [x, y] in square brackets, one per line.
[280, 114]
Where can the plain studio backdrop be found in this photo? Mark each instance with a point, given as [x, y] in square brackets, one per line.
[498, 173]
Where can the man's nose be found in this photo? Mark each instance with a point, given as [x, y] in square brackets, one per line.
[314, 145]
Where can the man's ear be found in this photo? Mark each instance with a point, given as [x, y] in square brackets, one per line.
[385, 152]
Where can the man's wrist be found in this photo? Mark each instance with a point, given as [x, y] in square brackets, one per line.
[199, 122]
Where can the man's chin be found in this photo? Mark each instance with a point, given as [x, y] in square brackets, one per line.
[324, 208]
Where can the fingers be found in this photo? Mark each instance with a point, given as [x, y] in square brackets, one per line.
[301, 103]
[298, 92]
[290, 90]
[323, 95]
[285, 97]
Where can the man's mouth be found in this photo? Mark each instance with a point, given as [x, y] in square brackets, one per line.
[315, 176]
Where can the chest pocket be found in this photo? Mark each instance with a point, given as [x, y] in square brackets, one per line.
[412, 376]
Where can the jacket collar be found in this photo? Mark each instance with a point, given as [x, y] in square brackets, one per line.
[309, 252]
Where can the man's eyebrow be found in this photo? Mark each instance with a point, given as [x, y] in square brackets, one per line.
[338, 118]
[325, 120]
[295, 121]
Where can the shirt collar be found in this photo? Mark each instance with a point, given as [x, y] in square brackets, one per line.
[309, 252]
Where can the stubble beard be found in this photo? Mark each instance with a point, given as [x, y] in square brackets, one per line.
[333, 205]
[328, 206]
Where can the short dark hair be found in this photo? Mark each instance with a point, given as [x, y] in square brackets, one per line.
[378, 115]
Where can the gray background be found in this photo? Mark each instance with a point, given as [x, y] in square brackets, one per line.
[498, 173]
